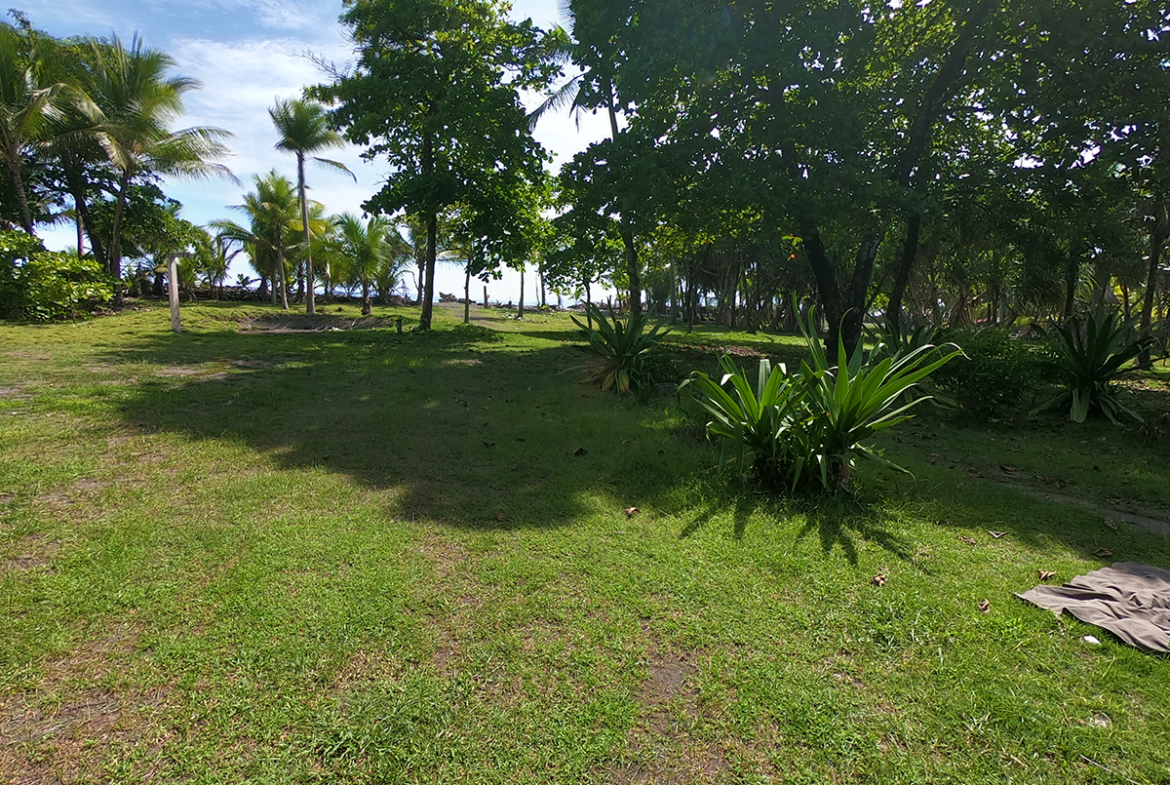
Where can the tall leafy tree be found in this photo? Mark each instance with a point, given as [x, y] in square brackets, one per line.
[304, 129]
[436, 91]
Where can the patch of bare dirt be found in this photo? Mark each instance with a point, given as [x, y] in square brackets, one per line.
[312, 323]
[662, 746]
[35, 552]
[443, 554]
[15, 392]
[64, 730]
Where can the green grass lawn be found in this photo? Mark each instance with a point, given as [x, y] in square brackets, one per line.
[364, 557]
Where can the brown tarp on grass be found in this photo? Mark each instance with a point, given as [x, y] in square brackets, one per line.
[1129, 599]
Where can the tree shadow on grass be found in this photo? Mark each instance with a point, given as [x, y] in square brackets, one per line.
[839, 522]
[455, 429]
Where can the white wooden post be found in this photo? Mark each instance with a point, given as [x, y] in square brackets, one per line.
[173, 287]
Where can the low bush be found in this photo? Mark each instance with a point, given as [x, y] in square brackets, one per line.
[996, 376]
[40, 286]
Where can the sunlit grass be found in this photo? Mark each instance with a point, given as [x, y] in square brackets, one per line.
[371, 557]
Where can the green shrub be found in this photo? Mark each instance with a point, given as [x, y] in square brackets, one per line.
[1090, 354]
[627, 356]
[38, 285]
[810, 427]
[998, 372]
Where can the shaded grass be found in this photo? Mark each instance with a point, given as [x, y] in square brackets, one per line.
[366, 557]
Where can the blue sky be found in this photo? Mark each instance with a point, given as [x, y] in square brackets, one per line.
[247, 53]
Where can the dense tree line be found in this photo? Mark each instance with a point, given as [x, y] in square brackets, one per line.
[946, 161]
[955, 161]
[87, 132]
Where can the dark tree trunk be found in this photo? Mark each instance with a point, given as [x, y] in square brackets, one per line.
[467, 295]
[1072, 269]
[1158, 235]
[902, 272]
[428, 288]
[21, 197]
[310, 304]
[367, 306]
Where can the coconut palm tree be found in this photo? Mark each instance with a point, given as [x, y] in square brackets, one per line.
[304, 129]
[31, 96]
[139, 103]
[373, 250]
[272, 213]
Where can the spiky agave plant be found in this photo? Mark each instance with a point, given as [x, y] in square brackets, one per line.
[626, 354]
[811, 426]
[1090, 354]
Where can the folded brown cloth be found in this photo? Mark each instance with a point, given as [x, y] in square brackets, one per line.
[1129, 599]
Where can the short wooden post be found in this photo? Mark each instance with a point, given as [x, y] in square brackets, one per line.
[173, 286]
[400, 325]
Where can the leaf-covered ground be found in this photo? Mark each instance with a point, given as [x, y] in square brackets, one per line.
[357, 556]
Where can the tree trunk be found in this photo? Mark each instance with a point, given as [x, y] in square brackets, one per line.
[310, 304]
[280, 274]
[114, 267]
[367, 305]
[1158, 234]
[902, 272]
[467, 295]
[625, 229]
[588, 304]
[1072, 269]
[428, 289]
[14, 172]
[75, 181]
[520, 310]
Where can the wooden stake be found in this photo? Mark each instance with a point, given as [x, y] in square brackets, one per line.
[173, 286]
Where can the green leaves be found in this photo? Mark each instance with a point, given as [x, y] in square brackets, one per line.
[809, 427]
[1090, 355]
[627, 352]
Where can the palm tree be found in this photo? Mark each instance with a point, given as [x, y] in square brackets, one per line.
[373, 250]
[272, 210]
[139, 101]
[304, 129]
[29, 99]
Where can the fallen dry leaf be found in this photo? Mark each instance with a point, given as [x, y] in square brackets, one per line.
[1112, 524]
[968, 540]
[998, 535]
[985, 606]
[501, 517]
[489, 444]
[631, 511]
[974, 473]
[1007, 469]
[1047, 575]
[579, 451]
[1102, 553]
[879, 579]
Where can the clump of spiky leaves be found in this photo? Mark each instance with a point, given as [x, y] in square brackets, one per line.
[810, 427]
[627, 355]
[1090, 354]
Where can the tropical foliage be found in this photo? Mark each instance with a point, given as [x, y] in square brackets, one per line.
[626, 355]
[1090, 354]
[811, 426]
